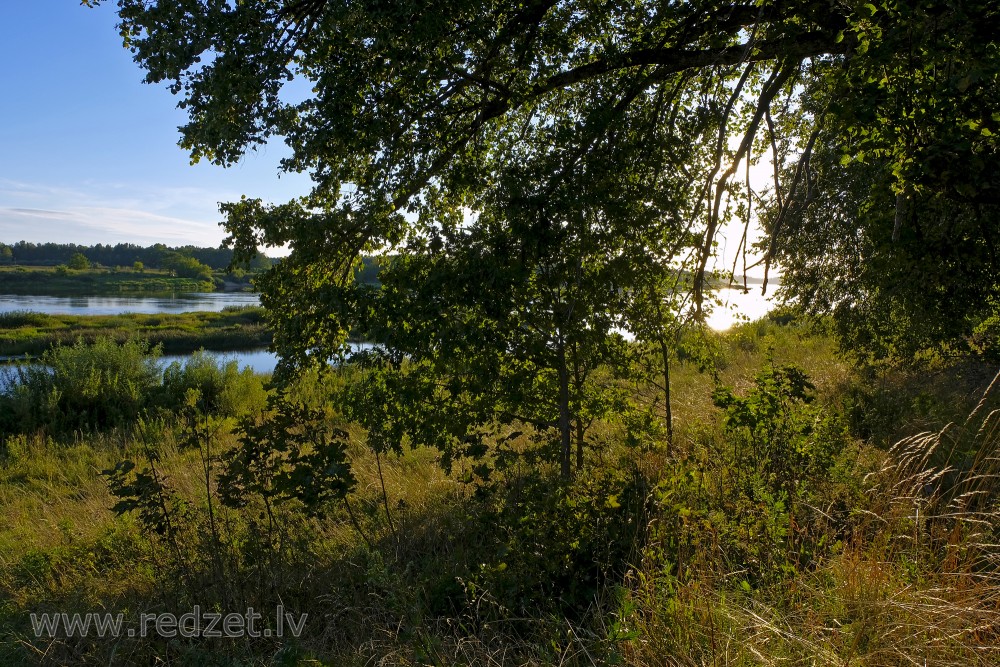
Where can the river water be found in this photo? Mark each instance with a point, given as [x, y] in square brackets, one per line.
[740, 306]
[116, 305]
[260, 361]
[737, 306]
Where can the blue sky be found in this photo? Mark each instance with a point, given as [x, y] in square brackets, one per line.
[88, 153]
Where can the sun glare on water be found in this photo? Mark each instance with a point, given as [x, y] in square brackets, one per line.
[740, 306]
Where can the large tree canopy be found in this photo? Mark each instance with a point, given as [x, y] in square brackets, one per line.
[611, 130]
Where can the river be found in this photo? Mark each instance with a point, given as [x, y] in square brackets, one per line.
[736, 306]
[260, 361]
[739, 306]
[116, 305]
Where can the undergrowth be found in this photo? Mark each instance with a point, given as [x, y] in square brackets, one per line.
[778, 528]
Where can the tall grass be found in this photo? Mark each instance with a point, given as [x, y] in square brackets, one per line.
[778, 540]
[911, 574]
[23, 318]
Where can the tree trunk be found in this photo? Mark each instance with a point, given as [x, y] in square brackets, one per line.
[578, 389]
[564, 417]
[668, 415]
[579, 443]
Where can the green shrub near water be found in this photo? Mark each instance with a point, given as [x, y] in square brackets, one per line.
[86, 387]
[13, 319]
[223, 388]
[105, 384]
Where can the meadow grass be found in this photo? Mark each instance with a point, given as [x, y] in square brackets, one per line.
[691, 556]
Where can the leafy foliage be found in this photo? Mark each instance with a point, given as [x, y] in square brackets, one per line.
[892, 228]
[780, 449]
[86, 386]
[145, 492]
[290, 453]
[570, 166]
[557, 552]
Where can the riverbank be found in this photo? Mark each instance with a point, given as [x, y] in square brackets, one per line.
[241, 328]
[60, 281]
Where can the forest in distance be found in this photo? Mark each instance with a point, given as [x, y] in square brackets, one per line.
[61, 269]
[118, 255]
[543, 455]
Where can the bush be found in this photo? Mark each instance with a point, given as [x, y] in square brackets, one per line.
[86, 387]
[560, 547]
[766, 495]
[78, 262]
[224, 389]
[187, 267]
[23, 318]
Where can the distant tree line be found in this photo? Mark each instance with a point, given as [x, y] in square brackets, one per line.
[157, 256]
[186, 261]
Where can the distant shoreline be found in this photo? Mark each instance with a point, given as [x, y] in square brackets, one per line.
[46, 281]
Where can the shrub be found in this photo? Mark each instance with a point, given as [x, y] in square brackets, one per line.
[187, 267]
[558, 547]
[748, 494]
[776, 433]
[224, 389]
[86, 387]
[78, 262]
[23, 318]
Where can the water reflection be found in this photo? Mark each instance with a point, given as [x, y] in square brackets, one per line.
[116, 305]
[260, 361]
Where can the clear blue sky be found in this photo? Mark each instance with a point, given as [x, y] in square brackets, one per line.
[88, 153]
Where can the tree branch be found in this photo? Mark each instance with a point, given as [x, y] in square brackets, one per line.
[673, 60]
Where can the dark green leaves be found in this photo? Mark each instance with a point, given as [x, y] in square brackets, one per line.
[291, 453]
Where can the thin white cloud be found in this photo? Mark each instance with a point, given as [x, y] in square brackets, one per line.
[104, 225]
[109, 213]
[40, 213]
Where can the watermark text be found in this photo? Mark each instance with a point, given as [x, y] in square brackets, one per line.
[195, 623]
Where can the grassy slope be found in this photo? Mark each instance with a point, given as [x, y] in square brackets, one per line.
[890, 591]
[33, 333]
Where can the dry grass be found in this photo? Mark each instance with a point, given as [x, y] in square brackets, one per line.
[917, 581]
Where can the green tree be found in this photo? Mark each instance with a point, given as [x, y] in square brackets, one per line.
[138, 266]
[889, 224]
[529, 355]
[78, 262]
[260, 262]
[420, 108]
[186, 267]
[581, 151]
